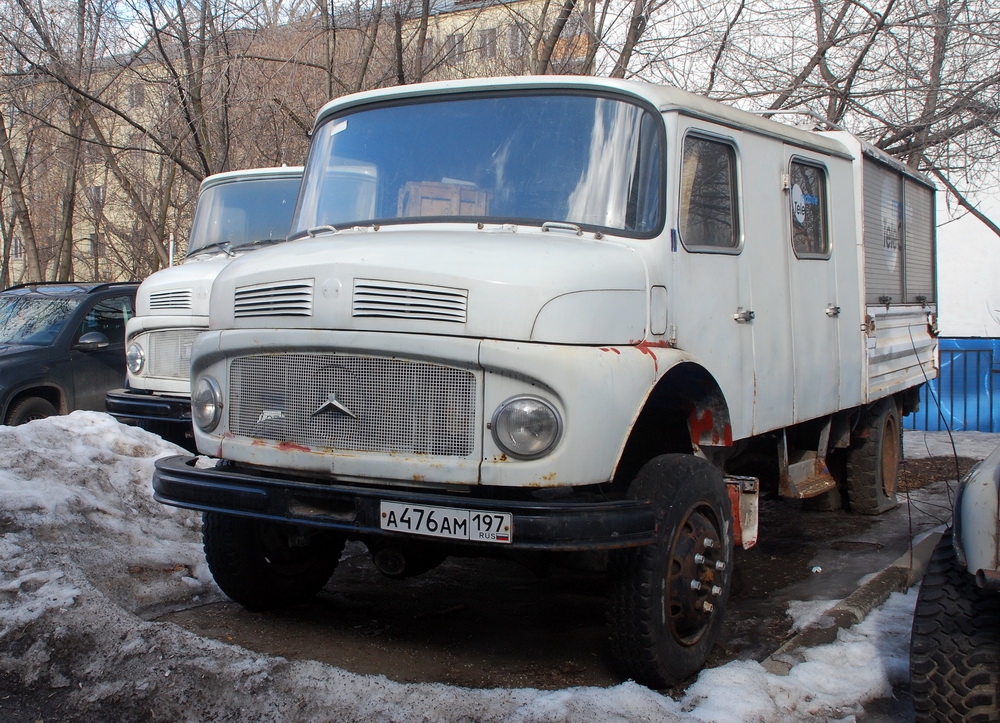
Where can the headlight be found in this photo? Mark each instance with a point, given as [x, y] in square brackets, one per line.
[526, 427]
[135, 358]
[206, 403]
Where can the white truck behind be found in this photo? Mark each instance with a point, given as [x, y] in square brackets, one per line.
[237, 212]
[536, 315]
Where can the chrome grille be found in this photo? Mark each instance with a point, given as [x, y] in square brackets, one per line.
[400, 406]
[174, 299]
[169, 352]
[284, 298]
[411, 301]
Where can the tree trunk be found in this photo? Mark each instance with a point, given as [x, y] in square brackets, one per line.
[13, 175]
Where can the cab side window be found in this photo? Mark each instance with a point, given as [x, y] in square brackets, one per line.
[807, 206]
[708, 210]
[108, 317]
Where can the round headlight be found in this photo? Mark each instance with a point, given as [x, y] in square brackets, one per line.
[135, 358]
[526, 427]
[206, 403]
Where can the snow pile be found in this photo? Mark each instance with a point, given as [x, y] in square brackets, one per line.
[86, 556]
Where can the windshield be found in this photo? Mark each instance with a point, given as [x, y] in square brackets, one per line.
[244, 211]
[31, 320]
[528, 158]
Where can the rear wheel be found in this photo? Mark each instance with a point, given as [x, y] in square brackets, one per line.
[29, 409]
[954, 645]
[668, 598]
[873, 461]
[264, 565]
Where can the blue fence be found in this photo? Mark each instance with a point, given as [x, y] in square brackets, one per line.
[966, 395]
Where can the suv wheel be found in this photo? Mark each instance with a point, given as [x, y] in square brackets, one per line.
[954, 645]
[28, 409]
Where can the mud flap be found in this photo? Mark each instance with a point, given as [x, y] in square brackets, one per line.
[744, 496]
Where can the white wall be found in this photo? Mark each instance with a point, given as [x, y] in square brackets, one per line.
[968, 274]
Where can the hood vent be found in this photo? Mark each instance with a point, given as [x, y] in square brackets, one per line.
[395, 300]
[173, 299]
[282, 298]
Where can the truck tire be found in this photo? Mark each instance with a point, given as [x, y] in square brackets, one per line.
[954, 644]
[29, 409]
[873, 460]
[264, 565]
[668, 599]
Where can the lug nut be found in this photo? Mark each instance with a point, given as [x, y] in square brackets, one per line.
[709, 543]
[707, 606]
[699, 559]
[695, 585]
[720, 565]
[716, 590]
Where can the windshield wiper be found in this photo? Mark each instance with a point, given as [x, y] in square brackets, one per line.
[226, 247]
[260, 242]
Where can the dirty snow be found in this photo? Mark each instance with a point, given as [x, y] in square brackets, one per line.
[87, 558]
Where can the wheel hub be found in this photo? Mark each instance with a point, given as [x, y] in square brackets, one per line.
[693, 577]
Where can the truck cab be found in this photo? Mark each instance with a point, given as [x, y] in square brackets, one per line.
[237, 212]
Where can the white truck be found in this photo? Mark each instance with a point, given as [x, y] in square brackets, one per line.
[560, 314]
[237, 212]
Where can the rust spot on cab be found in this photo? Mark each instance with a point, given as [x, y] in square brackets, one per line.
[647, 347]
[701, 425]
[258, 443]
[549, 477]
[611, 349]
[292, 447]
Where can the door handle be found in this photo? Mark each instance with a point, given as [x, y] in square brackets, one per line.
[833, 310]
[743, 316]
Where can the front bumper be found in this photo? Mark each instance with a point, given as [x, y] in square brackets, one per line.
[129, 404]
[355, 509]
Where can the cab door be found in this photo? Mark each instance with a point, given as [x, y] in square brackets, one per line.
[710, 282]
[815, 302]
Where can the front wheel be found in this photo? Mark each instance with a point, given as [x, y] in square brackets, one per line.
[954, 644]
[264, 565]
[29, 409]
[873, 461]
[668, 598]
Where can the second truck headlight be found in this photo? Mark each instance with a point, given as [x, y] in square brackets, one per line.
[526, 427]
[135, 358]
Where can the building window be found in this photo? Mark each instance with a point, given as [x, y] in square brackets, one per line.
[488, 42]
[97, 198]
[808, 203]
[519, 39]
[16, 248]
[136, 95]
[454, 47]
[708, 212]
[96, 245]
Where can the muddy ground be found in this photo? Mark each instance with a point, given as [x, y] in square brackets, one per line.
[496, 623]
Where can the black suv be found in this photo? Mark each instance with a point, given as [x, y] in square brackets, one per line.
[62, 347]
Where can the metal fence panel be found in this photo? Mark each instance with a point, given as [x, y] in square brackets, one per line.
[965, 396]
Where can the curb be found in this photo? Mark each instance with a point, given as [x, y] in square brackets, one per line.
[900, 576]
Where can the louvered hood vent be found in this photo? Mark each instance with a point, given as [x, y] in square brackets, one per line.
[391, 299]
[282, 298]
[173, 299]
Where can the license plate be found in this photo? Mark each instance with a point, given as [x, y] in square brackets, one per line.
[453, 523]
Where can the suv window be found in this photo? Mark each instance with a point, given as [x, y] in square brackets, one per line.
[108, 317]
[33, 320]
